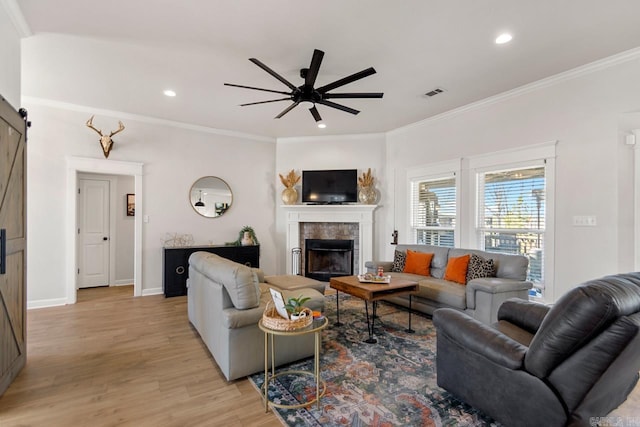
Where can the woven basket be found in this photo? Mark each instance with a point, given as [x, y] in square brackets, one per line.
[272, 320]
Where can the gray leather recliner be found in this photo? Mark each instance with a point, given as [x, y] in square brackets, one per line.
[541, 365]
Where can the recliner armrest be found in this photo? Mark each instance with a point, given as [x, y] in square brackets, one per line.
[527, 315]
[479, 338]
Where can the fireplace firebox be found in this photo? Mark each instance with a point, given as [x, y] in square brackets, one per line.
[327, 258]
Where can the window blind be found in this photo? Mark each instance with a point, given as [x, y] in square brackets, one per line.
[434, 211]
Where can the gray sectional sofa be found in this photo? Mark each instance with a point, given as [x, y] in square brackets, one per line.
[226, 301]
[480, 298]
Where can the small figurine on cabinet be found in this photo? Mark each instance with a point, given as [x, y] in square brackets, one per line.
[246, 237]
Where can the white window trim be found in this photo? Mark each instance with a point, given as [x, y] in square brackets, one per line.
[522, 157]
[438, 170]
[636, 197]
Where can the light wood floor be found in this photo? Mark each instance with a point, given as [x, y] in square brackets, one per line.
[115, 360]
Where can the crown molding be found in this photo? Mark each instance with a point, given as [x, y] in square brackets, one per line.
[141, 118]
[17, 18]
[344, 137]
[580, 71]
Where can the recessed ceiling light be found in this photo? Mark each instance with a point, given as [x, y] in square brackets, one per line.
[503, 38]
[322, 125]
[169, 92]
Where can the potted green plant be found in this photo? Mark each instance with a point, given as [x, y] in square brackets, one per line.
[295, 307]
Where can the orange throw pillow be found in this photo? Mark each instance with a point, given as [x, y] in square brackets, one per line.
[417, 263]
[456, 270]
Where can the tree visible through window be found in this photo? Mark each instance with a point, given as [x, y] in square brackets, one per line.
[433, 211]
[512, 216]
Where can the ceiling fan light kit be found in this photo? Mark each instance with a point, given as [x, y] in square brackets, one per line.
[308, 94]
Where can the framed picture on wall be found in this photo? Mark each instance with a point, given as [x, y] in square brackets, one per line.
[131, 205]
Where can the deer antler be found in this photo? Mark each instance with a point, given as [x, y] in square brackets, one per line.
[90, 124]
[120, 129]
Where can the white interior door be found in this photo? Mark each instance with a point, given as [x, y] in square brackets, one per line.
[93, 233]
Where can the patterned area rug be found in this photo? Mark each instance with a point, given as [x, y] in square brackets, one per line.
[391, 383]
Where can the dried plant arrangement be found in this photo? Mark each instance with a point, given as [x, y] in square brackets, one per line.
[366, 180]
[290, 180]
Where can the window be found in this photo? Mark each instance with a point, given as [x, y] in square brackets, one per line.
[511, 215]
[501, 201]
[434, 211]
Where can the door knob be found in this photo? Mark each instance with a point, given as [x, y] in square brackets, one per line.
[105, 238]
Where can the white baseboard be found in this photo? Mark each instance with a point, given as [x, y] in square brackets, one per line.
[43, 303]
[152, 291]
[122, 282]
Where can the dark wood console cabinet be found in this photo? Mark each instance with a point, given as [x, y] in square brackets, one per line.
[176, 263]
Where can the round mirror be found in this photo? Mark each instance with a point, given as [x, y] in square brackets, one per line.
[210, 196]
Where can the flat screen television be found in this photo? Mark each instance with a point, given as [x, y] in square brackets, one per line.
[330, 186]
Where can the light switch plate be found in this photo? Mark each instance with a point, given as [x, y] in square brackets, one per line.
[584, 221]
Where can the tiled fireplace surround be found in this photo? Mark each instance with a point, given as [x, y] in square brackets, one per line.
[353, 222]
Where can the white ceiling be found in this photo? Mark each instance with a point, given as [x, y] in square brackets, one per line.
[121, 54]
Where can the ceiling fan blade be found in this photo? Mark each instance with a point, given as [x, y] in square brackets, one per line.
[273, 73]
[346, 80]
[257, 88]
[286, 110]
[337, 106]
[265, 102]
[353, 95]
[315, 114]
[312, 73]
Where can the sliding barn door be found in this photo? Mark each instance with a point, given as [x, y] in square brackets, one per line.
[13, 333]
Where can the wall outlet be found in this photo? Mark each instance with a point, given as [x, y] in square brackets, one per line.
[584, 221]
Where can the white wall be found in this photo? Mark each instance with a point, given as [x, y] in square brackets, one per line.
[125, 229]
[593, 169]
[331, 152]
[10, 63]
[173, 159]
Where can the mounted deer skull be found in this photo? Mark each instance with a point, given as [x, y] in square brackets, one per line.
[105, 140]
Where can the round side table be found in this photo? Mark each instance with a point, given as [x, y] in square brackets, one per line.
[314, 328]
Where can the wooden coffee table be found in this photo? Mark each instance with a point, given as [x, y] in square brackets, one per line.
[372, 292]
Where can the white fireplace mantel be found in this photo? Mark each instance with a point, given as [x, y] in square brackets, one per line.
[360, 214]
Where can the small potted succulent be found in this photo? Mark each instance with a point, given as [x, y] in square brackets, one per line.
[295, 307]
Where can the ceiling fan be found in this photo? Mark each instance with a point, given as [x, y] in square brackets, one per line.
[307, 93]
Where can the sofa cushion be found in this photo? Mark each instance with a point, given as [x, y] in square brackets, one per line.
[456, 270]
[293, 282]
[399, 259]
[240, 281]
[417, 263]
[443, 292]
[480, 267]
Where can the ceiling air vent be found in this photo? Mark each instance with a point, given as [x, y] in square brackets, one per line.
[434, 92]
